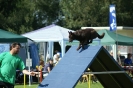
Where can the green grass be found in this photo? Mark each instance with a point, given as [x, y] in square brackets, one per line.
[86, 85]
[79, 85]
[27, 86]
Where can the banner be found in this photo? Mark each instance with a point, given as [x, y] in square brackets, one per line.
[112, 18]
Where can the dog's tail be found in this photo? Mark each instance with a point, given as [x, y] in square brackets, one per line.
[101, 36]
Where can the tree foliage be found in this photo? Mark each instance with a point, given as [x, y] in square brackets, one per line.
[79, 13]
[124, 12]
[16, 15]
[21, 16]
[47, 12]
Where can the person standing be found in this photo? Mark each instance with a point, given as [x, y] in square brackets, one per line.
[9, 62]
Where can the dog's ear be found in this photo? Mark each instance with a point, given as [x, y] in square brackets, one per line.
[69, 32]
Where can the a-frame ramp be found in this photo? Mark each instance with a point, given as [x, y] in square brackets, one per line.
[71, 67]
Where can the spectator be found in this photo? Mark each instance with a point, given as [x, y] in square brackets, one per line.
[49, 66]
[41, 66]
[56, 55]
[118, 58]
[128, 61]
[59, 53]
[54, 58]
[57, 59]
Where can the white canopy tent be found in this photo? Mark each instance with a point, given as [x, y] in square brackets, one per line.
[50, 34]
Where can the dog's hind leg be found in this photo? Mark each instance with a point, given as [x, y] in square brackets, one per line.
[85, 42]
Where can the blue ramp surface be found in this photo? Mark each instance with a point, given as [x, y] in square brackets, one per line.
[70, 68]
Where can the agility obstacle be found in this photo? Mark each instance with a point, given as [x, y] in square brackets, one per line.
[71, 67]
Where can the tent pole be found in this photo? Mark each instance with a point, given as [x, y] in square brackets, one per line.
[45, 45]
[115, 51]
[28, 56]
[132, 52]
[63, 47]
[52, 49]
[50, 44]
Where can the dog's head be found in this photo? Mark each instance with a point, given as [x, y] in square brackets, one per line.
[71, 36]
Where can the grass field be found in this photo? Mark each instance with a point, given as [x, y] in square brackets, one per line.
[79, 85]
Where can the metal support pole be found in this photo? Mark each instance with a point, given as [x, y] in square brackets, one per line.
[105, 72]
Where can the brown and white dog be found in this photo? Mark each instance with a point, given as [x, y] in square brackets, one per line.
[84, 36]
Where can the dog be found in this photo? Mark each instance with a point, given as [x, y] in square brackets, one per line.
[84, 36]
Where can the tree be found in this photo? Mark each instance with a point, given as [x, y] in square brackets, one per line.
[21, 16]
[47, 12]
[124, 12]
[17, 15]
[79, 13]
[75, 12]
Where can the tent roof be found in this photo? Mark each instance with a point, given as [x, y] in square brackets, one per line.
[49, 33]
[113, 38]
[8, 37]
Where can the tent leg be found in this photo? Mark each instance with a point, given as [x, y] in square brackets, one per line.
[28, 56]
[45, 45]
[115, 51]
[50, 49]
[63, 46]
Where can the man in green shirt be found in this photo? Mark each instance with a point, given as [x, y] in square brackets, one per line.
[9, 62]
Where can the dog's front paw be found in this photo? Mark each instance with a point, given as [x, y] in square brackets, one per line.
[77, 49]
